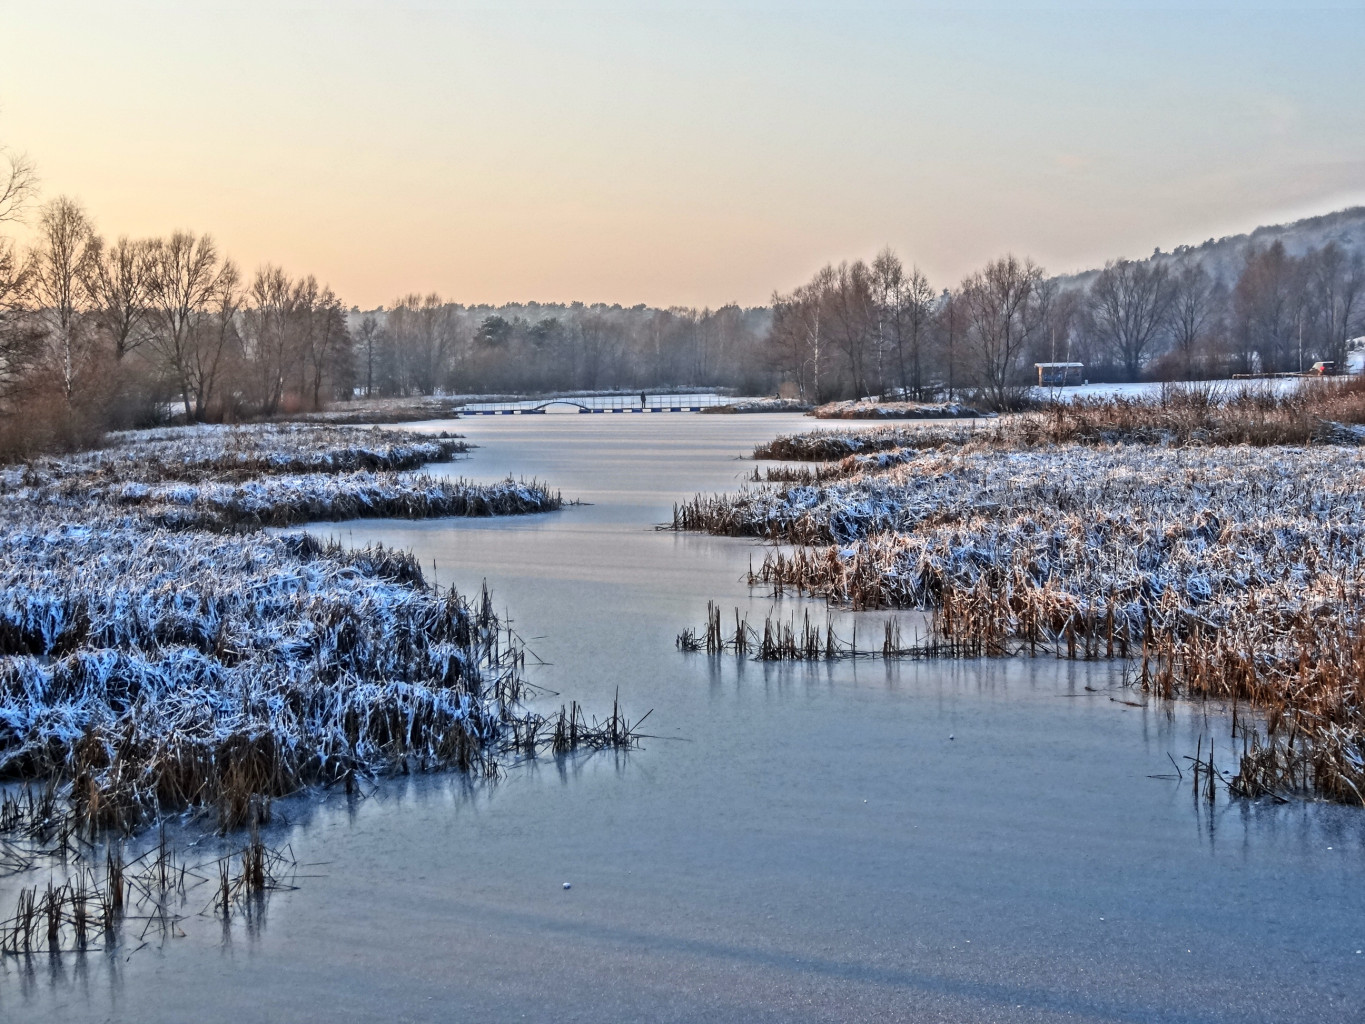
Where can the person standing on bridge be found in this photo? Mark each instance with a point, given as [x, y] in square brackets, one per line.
[642, 400]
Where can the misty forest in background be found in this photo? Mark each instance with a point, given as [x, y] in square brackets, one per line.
[98, 334]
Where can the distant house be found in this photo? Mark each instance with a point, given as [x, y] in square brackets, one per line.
[1059, 375]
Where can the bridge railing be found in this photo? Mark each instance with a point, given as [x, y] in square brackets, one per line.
[600, 404]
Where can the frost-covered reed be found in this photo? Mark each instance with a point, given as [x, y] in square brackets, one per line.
[1232, 571]
[1316, 412]
[181, 669]
[832, 445]
[265, 475]
[287, 500]
[225, 453]
[158, 653]
[872, 409]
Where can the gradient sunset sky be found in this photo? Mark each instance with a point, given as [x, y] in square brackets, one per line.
[675, 153]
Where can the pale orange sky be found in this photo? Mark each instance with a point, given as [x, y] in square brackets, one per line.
[681, 153]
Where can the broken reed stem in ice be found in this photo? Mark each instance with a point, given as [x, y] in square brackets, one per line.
[84, 912]
[571, 731]
[806, 640]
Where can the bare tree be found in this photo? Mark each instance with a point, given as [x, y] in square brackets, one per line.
[1129, 303]
[426, 332]
[18, 184]
[118, 283]
[920, 305]
[215, 343]
[270, 323]
[799, 337]
[369, 341]
[1197, 304]
[949, 329]
[20, 342]
[905, 306]
[851, 319]
[20, 339]
[183, 280]
[327, 343]
[1000, 322]
[888, 296]
[1059, 312]
[1268, 305]
[1336, 298]
[61, 263]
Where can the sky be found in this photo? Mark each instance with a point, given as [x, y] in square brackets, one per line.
[682, 153]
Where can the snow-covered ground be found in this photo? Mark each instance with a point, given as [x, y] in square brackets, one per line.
[1355, 364]
[1149, 391]
[872, 409]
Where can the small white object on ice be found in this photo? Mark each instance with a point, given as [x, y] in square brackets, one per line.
[568, 885]
[950, 735]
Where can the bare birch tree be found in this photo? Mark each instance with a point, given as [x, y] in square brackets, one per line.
[270, 323]
[60, 269]
[369, 342]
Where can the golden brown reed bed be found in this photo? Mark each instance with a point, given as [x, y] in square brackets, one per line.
[1184, 534]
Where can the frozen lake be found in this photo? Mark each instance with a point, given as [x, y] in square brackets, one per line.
[977, 841]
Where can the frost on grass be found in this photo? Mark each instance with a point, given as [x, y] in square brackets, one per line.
[1257, 413]
[158, 653]
[223, 453]
[873, 409]
[1225, 570]
[266, 475]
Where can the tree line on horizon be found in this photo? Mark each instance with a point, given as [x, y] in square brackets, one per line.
[423, 343]
[875, 328]
[98, 334]
[881, 329]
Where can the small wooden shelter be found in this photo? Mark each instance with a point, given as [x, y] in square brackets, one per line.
[1059, 375]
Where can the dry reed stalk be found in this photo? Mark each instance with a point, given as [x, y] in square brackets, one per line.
[1083, 531]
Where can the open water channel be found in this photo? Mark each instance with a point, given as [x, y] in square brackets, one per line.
[852, 841]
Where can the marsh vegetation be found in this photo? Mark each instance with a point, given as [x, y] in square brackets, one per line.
[1213, 539]
[160, 653]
